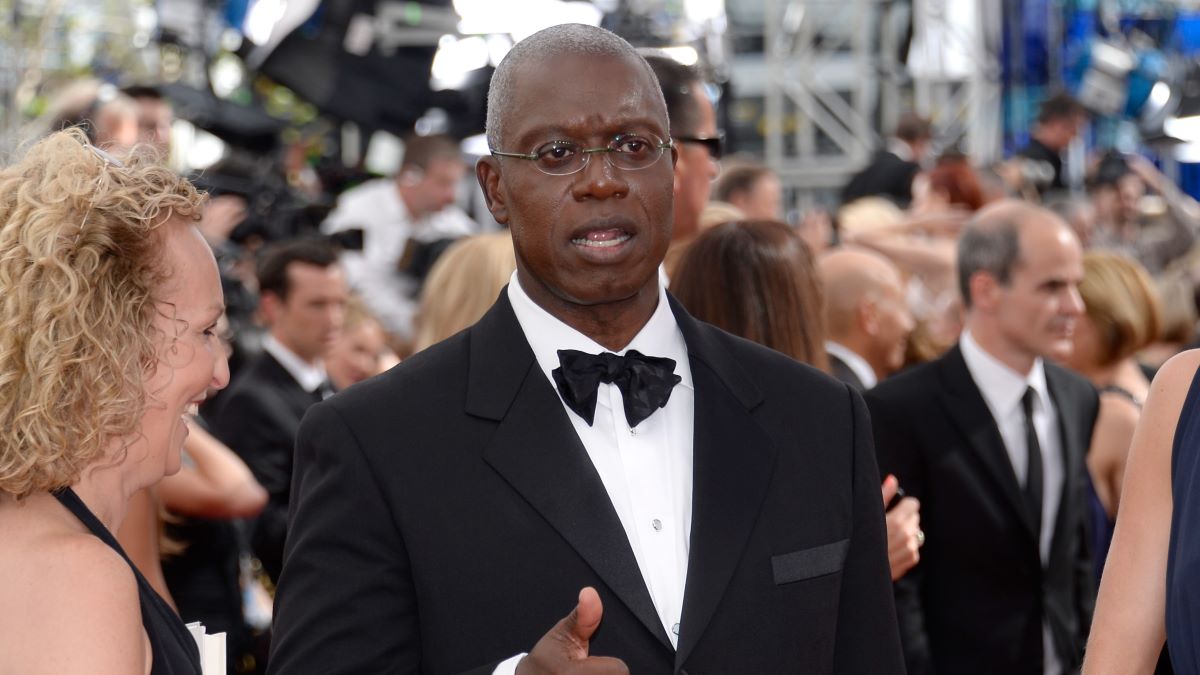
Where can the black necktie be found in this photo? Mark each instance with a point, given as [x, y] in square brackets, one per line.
[1033, 479]
[323, 391]
[645, 381]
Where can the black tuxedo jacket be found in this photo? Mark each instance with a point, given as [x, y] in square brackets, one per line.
[842, 371]
[445, 516]
[887, 176]
[976, 601]
[258, 419]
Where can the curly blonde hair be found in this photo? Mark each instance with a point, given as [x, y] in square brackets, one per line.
[80, 261]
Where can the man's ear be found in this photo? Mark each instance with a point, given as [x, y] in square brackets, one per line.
[868, 317]
[487, 172]
[985, 290]
[269, 305]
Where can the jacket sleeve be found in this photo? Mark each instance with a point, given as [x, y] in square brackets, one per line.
[899, 455]
[867, 637]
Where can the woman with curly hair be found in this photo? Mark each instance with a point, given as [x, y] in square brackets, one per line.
[109, 301]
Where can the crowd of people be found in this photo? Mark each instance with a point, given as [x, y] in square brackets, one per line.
[648, 426]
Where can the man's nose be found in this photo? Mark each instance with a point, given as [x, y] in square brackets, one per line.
[1073, 304]
[599, 179]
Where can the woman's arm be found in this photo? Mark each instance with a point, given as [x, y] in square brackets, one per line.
[1129, 625]
[219, 485]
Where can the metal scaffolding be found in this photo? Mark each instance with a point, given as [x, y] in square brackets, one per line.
[835, 84]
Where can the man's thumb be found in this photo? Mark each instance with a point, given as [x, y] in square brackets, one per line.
[890, 487]
[583, 621]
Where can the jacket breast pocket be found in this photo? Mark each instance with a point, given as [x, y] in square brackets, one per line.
[809, 563]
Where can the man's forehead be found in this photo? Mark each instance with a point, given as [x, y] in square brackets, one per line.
[583, 91]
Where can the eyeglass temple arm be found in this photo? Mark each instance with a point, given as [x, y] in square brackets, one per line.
[518, 155]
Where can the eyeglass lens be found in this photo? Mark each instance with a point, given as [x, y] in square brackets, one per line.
[629, 152]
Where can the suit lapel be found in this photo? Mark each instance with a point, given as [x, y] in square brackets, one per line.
[282, 381]
[969, 412]
[733, 460]
[538, 453]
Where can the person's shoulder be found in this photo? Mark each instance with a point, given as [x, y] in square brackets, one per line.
[367, 191]
[1117, 417]
[1070, 378]
[1081, 392]
[766, 366]
[1178, 371]
[359, 202]
[82, 596]
[911, 383]
[1174, 380]
[75, 573]
[430, 371]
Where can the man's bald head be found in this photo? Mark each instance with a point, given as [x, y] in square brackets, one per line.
[542, 47]
[865, 308]
[991, 241]
[850, 276]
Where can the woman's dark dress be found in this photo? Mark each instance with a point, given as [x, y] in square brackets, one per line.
[1183, 558]
[171, 644]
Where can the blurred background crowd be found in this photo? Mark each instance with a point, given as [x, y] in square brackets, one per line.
[828, 155]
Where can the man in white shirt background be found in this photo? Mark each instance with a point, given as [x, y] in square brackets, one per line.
[401, 218]
[689, 501]
[303, 298]
[991, 438]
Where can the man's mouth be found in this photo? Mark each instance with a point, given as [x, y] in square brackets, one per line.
[606, 238]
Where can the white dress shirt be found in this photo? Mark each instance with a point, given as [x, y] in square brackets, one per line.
[308, 375]
[646, 471]
[857, 364]
[1003, 389]
[376, 208]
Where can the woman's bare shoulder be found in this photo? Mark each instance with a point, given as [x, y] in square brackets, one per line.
[1172, 383]
[71, 606]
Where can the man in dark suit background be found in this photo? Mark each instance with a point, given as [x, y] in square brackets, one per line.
[891, 172]
[716, 502]
[991, 438]
[303, 297]
[1060, 117]
[867, 319]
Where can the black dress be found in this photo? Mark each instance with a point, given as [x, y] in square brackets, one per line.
[173, 649]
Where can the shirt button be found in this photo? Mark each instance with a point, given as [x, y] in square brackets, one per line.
[633, 431]
[675, 630]
[656, 524]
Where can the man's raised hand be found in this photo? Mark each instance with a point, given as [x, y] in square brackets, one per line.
[565, 648]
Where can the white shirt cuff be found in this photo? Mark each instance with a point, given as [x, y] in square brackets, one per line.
[509, 667]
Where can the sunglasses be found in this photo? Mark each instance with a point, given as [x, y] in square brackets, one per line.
[715, 145]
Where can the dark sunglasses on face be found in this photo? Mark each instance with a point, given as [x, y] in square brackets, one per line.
[715, 145]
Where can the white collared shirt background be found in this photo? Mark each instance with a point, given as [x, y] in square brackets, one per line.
[377, 209]
[308, 376]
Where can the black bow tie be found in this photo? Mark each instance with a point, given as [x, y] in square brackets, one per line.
[645, 381]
